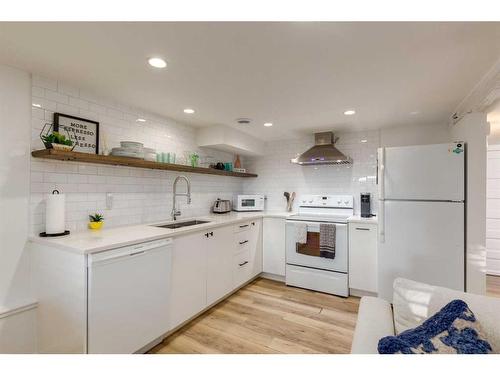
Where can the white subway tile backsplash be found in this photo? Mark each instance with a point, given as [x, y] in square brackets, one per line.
[44, 82]
[142, 195]
[67, 109]
[68, 89]
[37, 92]
[138, 195]
[277, 174]
[97, 108]
[56, 97]
[80, 103]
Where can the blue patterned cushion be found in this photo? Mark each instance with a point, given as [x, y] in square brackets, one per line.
[454, 329]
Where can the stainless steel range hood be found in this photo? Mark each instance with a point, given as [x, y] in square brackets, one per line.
[323, 152]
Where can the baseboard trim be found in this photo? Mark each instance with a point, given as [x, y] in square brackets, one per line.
[9, 311]
[361, 293]
[272, 276]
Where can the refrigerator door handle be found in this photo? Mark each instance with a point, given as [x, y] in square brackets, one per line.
[380, 173]
[381, 194]
[381, 221]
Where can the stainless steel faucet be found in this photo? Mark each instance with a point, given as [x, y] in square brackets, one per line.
[176, 212]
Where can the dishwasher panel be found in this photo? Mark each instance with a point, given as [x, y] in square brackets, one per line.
[128, 297]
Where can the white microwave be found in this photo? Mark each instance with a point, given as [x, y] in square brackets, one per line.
[249, 202]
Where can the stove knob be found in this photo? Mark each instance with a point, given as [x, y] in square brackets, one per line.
[339, 202]
[310, 201]
[303, 201]
[346, 202]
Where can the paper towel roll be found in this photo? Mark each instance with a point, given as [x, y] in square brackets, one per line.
[55, 220]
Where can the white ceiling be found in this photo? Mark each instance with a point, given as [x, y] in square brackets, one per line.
[301, 76]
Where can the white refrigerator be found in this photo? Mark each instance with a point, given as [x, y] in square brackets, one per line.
[421, 215]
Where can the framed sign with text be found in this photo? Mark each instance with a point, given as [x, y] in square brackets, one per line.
[84, 133]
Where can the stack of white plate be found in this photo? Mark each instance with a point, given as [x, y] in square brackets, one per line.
[129, 149]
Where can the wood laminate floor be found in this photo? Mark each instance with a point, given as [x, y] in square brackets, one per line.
[493, 286]
[268, 317]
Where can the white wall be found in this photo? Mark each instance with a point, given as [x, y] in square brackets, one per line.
[493, 192]
[411, 135]
[16, 331]
[473, 129]
[493, 210]
[140, 195]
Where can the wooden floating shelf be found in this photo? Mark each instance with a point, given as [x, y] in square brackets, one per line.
[129, 162]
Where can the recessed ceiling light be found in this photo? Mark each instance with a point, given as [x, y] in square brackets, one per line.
[364, 140]
[189, 110]
[141, 120]
[268, 124]
[414, 113]
[350, 112]
[36, 105]
[157, 62]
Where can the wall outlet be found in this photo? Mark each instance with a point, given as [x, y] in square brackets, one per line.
[109, 201]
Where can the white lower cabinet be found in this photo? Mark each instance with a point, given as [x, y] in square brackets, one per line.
[219, 251]
[207, 265]
[189, 277]
[363, 257]
[123, 300]
[274, 246]
[247, 260]
[256, 247]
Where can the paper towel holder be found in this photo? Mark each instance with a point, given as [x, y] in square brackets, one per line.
[65, 233]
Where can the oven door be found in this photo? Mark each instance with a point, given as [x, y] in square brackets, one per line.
[308, 254]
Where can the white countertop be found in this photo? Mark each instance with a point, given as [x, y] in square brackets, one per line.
[92, 241]
[363, 220]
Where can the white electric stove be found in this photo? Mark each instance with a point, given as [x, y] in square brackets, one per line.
[305, 267]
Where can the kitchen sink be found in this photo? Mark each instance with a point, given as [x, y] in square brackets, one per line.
[182, 224]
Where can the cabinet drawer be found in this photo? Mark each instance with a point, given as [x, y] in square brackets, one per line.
[242, 240]
[244, 226]
[242, 270]
[362, 228]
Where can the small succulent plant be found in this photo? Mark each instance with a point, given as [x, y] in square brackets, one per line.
[96, 218]
[58, 138]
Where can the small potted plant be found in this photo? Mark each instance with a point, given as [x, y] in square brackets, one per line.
[57, 141]
[96, 221]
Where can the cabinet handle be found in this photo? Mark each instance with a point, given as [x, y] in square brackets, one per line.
[241, 243]
[357, 228]
[253, 223]
[242, 264]
[244, 226]
[206, 235]
[137, 253]
[212, 234]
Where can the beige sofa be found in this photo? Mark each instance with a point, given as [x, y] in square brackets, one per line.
[414, 302]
